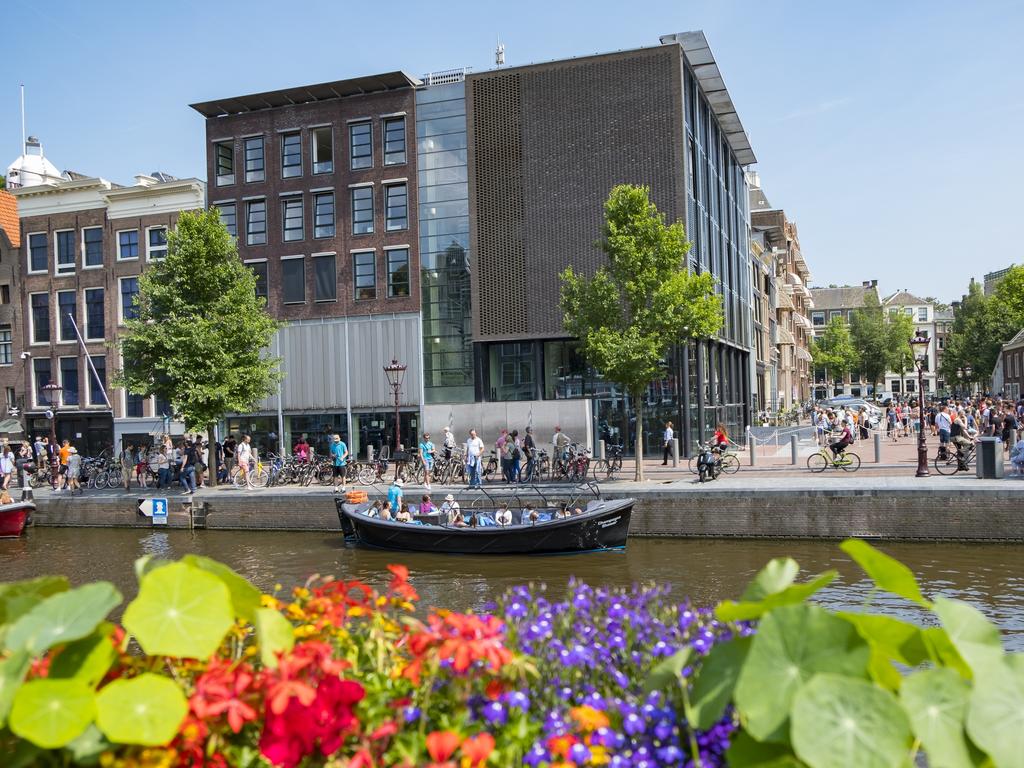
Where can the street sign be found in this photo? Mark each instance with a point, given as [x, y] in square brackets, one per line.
[154, 508]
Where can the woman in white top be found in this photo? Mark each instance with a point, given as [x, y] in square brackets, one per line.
[6, 466]
[503, 516]
[243, 454]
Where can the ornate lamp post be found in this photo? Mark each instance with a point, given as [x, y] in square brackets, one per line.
[965, 377]
[51, 392]
[920, 342]
[395, 371]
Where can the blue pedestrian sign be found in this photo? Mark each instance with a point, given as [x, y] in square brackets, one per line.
[154, 508]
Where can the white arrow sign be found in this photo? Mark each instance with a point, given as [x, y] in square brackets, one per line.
[156, 509]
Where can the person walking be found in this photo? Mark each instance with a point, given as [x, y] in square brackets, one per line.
[243, 454]
[127, 465]
[229, 453]
[666, 443]
[6, 466]
[188, 468]
[74, 471]
[474, 452]
[942, 425]
[339, 452]
[448, 443]
[427, 457]
[530, 453]
[162, 464]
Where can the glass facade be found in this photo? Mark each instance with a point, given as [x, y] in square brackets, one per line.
[444, 244]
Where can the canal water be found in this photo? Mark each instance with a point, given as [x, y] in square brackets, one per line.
[991, 576]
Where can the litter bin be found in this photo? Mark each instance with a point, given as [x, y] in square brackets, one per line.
[990, 458]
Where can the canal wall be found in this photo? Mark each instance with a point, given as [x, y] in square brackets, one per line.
[952, 509]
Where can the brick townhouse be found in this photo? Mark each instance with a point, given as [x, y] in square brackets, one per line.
[11, 380]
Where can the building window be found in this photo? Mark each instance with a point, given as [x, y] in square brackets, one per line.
[922, 314]
[67, 315]
[40, 304]
[364, 266]
[41, 376]
[256, 222]
[65, 250]
[818, 318]
[129, 290]
[228, 217]
[394, 141]
[323, 150]
[128, 244]
[362, 210]
[254, 159]
[162, 408]
[835, 313]
[156, 243]
[293, 281]
[225, 152]
[94, 313]
[326, 276]
[69, 380]
[92, 245]
[5, 294]
[291, 217]
[12, 398]
[396, 207]
[6, 348]
[323, 214]
[99, 362]
[38, 258]
[291, 155]
[360, 140]
[398, 272]
[133, 405]
[259, 270]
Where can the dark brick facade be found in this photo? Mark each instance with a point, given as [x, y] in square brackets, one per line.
[546, 145]
[271, 124]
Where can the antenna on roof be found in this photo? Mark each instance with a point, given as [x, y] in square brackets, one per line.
[22, 117]
[499, 53]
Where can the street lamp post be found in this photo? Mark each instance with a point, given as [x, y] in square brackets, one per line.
[52, 392]
[395, 371]
[920, 340]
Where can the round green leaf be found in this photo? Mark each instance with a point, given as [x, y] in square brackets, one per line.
[244, 596]
[52, 713]
[841, 722]
[887, 572]
[936, 701]
[995, 715]
[146, 710]
[716, 681]
[63, 617]
[774, 577]
[274, 633]
[12, 673]
[180, 611]
[975, 637]
[792, 644]
[728, 610]
[87, 659]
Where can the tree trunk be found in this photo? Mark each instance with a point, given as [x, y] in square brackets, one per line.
[211, 468]
[639, 447]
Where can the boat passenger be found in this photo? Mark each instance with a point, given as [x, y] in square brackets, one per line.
[563, 511]
[374, 509]
[503, 516]
[473, 521]
[534, 515]
[385, 513]
[426, 505]
[395, 499]
[450, 508]
[403, 515]
[578, 511]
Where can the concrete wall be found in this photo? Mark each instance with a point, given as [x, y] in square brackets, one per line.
[488, 419]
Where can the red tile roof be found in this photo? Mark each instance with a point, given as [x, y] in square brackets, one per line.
[9, 217]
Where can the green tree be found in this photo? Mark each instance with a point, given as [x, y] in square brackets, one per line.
[1006, 306]
[871, 339]
[644, 301]
[3, 181]
[199, 338]
[834, 350]
[976, 336]
[900, 329]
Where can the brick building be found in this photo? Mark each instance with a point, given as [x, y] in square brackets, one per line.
[11, 343]
[1011, 360]
[832, 302]
[319, 186]
[85, 241]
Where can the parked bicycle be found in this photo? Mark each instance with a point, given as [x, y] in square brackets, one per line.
[608, 467]
[729, 462]
[846, 460]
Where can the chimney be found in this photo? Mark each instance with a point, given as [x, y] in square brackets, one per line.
[869, 284]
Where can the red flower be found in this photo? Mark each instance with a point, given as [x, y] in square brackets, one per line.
[477, 749]
[441, 745]
[223, 689]
[383, 731]
[400, 571]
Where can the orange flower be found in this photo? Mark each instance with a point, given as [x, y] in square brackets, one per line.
[441, 745]
[476, 750]
[560, 745]
[589, 718]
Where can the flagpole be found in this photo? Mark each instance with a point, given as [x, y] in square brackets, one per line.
[88, 359]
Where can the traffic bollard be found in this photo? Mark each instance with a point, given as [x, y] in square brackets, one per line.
[369, 453]
[878, 448]
[601, 450]
[792, 448]
[675, 451]
[753, 453]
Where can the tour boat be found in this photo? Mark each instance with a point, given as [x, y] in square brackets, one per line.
[604, 524]
[14, 517]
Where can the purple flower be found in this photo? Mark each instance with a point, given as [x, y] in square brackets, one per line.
[411, 714]
[516, 699]
[633, 724]
[494, 713]
[579, 754]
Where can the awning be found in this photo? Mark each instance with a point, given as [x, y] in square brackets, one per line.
[786, 336]
[803, 354]
[11, 427]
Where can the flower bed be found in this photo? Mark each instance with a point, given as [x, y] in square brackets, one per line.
[205, 670]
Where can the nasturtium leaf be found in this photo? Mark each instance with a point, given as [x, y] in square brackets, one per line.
[936, 702]
[792, 644]
[666, 674]
[881, 670]
[974, 637]
[20, 597]
[744, 752]
[274, 633]
[87, 659]
[180, 611]
[87, 748]
[52, 713]
[897, 640]
[942, 652]
[728, 610]
[995, 713]
[145, 710]
[774, 577]
[12, 673]
[147, 563]
[716, 681]
[245, 598]
[887, 572]
[63, 617]
[1016, 662]
[839, 722]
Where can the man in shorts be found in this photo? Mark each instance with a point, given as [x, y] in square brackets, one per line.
[339, 452]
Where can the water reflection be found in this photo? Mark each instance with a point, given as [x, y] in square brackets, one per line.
[990, 576]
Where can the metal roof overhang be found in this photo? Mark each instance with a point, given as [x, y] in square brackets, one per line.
[339, 89]
[702, 60]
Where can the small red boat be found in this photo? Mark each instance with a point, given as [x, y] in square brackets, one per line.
[14, 517]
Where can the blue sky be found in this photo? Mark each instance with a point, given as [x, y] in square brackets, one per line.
[889, 131]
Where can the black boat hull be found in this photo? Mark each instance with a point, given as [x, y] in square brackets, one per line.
[604, 525]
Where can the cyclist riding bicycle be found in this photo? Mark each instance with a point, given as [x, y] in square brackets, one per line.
[845, 440]
[721, 439]
[962, 439]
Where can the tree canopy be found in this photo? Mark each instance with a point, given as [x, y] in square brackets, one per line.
[834, 349]
[200, 334]
[643, 301]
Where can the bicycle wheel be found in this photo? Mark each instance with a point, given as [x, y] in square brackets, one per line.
[816, 462]
[615, 466]
[114, 478]
[730, 464]
[325, 475]
[260, 477]
[852, 463]
[601, 470]
[692, 465]
[238, 478]
[99, 480]
[946, 466]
